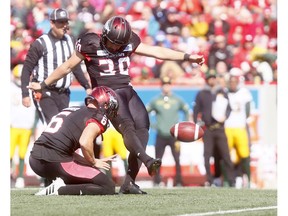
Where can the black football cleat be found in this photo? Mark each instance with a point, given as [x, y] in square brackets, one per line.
[132, 188]
[154, 166]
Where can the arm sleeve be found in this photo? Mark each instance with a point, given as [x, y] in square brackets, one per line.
[79, 75]
[31, 61]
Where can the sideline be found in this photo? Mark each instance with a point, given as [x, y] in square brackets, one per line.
[231, 211]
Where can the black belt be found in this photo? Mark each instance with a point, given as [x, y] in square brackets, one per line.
[59, 90]
[215, 126]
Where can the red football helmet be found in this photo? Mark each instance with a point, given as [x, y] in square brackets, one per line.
[104, 99]
[117, 30]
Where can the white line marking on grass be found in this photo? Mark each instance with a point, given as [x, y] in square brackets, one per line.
[231, 211]
[26, 188]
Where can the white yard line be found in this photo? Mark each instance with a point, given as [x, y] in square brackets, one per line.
[231, 211]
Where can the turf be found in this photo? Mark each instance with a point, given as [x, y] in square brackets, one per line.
[178, 201]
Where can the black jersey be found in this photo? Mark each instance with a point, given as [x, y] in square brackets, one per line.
[61, 137]
[106, 68]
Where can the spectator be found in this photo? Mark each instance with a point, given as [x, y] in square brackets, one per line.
[187, 43]
[39, 11]
[76, 25]
[172, 26]
[219, 52]
[19, 10]
[243, 17]
[44, 25]
[159, 11]
[218, 26]
[166, 107]
[211, 109]
[252, 76]
[242, 53]
[260, 39]
[198, 25]
[86, 11]
[108, 11]
[21, 55]
[270, 22]
[16, 44]
[126, 6]
[236, 37]
[189, 7]
[149, 25]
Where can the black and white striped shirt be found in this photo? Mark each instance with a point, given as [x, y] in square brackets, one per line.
[47, 53]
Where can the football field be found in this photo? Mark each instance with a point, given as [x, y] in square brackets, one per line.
[188, 201]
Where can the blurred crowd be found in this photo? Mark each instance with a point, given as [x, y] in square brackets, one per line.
[237, 37]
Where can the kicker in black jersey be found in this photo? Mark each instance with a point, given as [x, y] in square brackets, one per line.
[104, 67]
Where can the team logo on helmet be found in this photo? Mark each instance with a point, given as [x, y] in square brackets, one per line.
[105, 100]
[106, 26]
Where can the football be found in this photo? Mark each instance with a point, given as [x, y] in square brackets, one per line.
[186, 131]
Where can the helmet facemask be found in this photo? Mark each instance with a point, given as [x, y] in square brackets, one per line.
[112, 108]
[105, 100]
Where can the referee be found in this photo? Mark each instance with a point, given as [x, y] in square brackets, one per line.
[211, 107]
[46, 53]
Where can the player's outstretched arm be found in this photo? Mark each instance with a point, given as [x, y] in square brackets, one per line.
[168, 54]
[59, 72]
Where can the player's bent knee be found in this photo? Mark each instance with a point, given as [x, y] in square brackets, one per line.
[127, 126]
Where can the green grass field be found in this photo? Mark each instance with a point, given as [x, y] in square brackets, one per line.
[189, 201]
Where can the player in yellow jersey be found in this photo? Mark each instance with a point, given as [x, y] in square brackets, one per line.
[236, 128]
[21, 125]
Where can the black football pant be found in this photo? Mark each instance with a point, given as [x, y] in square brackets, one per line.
[216, 140]
[133, 123]
[80, 179]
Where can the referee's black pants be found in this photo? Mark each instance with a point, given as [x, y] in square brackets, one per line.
[216, 140]
[51, 103]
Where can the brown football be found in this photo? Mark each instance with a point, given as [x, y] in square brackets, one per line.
[186, 131]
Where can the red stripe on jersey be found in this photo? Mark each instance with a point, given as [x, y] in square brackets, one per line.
[86, 56]
[79, 171]
[102, 129]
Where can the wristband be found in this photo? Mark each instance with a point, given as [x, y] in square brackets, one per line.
[43, 85]
[186, 57]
